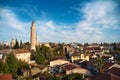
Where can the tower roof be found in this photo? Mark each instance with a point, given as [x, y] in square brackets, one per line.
[33, 21]
[33, 24]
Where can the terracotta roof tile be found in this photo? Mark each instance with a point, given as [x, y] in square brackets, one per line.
[92, 62]
[59, 74]
[58, 57]
[70, 67]
[17, 51]
[100, 77]
[114, 71]
[5, 76]
[108, 64]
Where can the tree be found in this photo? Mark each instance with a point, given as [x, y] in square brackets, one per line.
[100, 64]
[19, 72]
[101, 44]
[86, 44]
[16, 46]
[61, 48]
[20, 43]
[79, 44]
[44, 50]
[26, 46]
[52, 77]
[73, 77]
[4, 67]
[22, 64]
[12, 66]
[39, 58]
[114, 46]
[12, 63]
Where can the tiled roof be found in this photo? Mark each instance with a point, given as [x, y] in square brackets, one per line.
[5, 76]
[91, 62]
[100, 77]
[59, 74]
[58, 57]
[70, 67]
[78, 61]
[76, 53]
[95, 48]
[105, 49]
[108, 64]
[17, 51]
[115, 71]
[92, 48]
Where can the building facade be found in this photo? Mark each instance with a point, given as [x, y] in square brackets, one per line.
[79, 56]
[23, 56]
[12, 42]
[58, 62]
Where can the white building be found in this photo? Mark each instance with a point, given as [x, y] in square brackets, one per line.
[23, 55]
[78, 56]
[58, 62]
[72, 68]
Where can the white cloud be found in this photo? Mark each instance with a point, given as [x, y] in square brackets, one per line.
[9, 19]
[49, 31]
[12, 26]
[97, 16]
[101, 13]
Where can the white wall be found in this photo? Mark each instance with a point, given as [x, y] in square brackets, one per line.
[23, 56]
[58, 62]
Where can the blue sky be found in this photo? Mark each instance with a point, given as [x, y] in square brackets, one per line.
[61, 20]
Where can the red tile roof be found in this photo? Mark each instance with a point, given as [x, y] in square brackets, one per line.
[70, 67]
[105, 49]
[92, 62]
[59, 74]
[115, 71]
[100, 77]
[17, 51]
[108, 64]
[76, 53]
[5, 76]
[58, 57]
[92, 48]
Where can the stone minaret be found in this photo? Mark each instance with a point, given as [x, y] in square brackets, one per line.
[12, 42]
[33, 36]
[36, 39]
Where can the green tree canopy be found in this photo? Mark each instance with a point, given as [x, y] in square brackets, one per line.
[16, 46]
[72, 77]
[39, 58]
[52, 77]
[4, 68]
[42, 54]
[12, 63]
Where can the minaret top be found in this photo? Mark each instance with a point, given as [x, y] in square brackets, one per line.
[12, 38]
[33, 21]
[33, 24]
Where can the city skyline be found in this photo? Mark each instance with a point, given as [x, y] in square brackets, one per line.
[61, 20]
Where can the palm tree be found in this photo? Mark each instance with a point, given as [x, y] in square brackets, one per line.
[100, 64]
